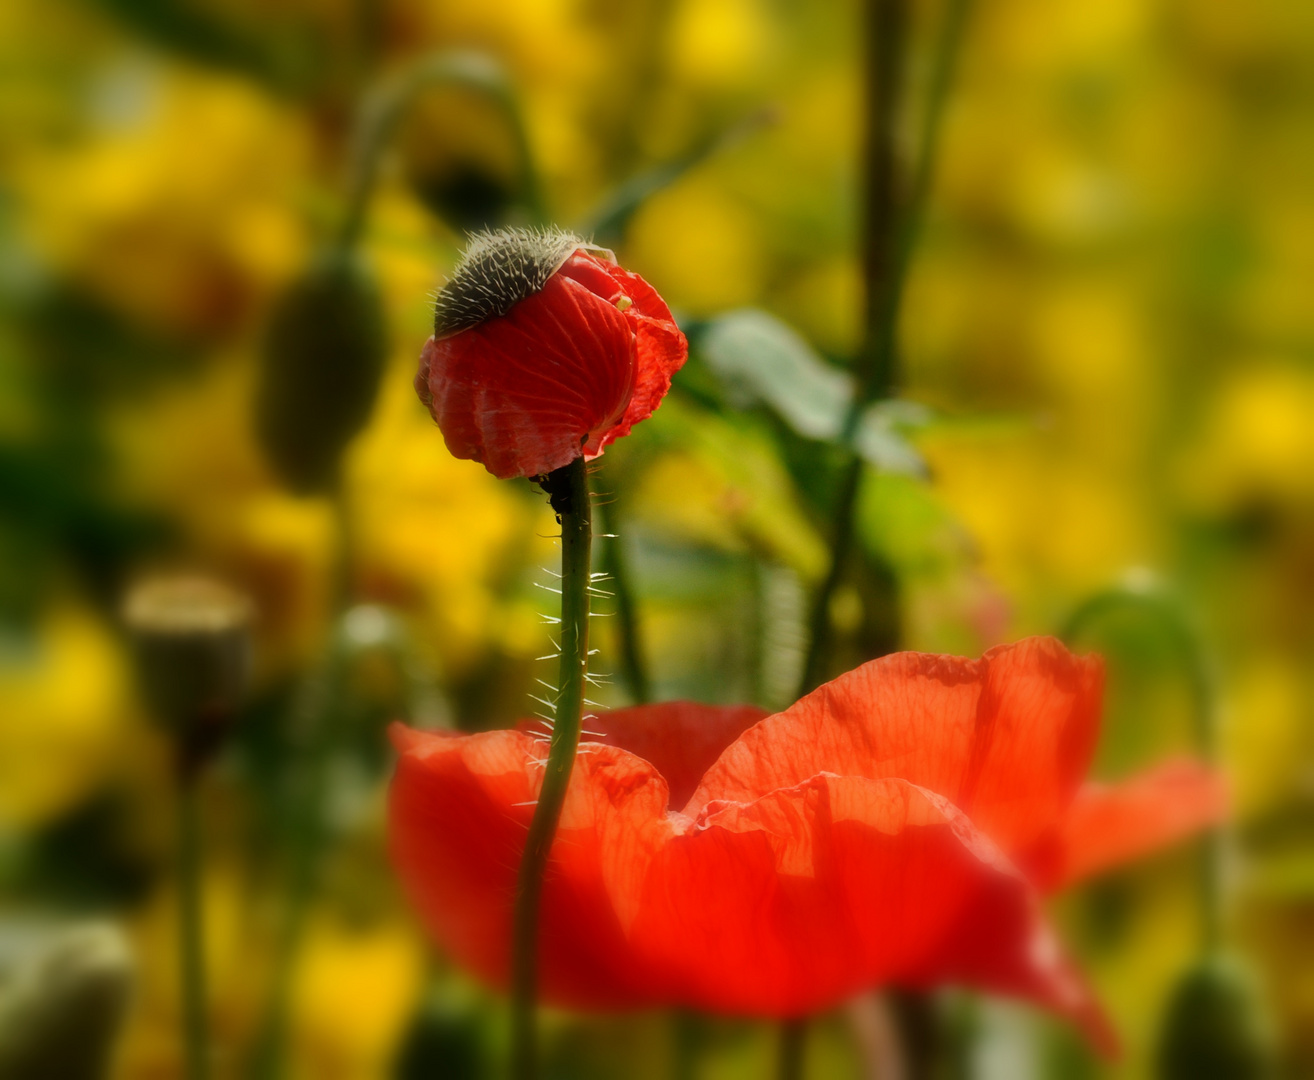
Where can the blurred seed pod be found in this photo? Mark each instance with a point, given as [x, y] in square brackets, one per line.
[1215, 1028]
[62, 1008]
[324, 353]
[192, 642]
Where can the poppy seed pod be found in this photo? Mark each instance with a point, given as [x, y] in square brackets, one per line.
[324, 352]
[192, 643]
[544, 350]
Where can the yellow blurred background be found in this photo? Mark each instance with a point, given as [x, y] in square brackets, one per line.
[1110, 315]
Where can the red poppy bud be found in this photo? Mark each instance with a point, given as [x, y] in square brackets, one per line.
[544, 350]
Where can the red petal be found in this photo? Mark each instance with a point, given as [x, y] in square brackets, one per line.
[1108, 826]
[661, 350]
[1006, 738]
[680, 739]
[776, 908]
[459, 808]
[530, 391]
[790, 904]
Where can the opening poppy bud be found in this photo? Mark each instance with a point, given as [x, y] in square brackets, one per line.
[193, 655]
[544, 350]
[324, 353]
[1214, 1029]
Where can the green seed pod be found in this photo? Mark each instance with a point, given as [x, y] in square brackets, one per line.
[192, 643]
[1214, 1028]
[324, 353]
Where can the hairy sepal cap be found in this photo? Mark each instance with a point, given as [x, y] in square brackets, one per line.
[544, 350]
[323, 358]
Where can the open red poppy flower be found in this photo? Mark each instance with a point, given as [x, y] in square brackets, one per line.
[544, 350]
[880, 831]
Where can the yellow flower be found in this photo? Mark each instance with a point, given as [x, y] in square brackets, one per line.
[177, 213]
[64, 710]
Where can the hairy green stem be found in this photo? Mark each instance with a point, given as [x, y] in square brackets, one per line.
[568, 490]
[191, 929]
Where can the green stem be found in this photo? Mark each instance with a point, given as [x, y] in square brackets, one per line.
[891, 238]
[686, 1037]
[873, 367]
[314, 723]
[192, 930]
[1202, 680]
[793, 1045]
[628, 640]
[385, 108]
[569, 493]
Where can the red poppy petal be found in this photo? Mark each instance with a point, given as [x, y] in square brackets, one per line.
[776, 908]
[792, 903]
[459, 808]
[1110, 825]
[1007, 738]
[661, 349]
[526, 393]
[680, 739]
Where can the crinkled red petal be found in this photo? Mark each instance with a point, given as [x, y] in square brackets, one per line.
[778, 907]
[1110, 825]
[1006, 738]
[661, 349]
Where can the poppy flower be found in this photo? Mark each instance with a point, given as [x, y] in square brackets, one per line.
[878, 832]
[544, 350]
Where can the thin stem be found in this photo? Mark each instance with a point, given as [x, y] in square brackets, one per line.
[628, 640]
[873, 367]
[569, 493]
[314, 723]
[890, 239]
[191, 928]
[685, 1040]
[793, 1044]
[385, 108]
[1202, 681]
[814, 663]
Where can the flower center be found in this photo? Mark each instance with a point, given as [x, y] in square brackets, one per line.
[497, 271]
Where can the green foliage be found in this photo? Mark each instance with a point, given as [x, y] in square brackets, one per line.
[762, 361]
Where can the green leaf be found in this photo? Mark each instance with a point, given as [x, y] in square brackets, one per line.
[901, 522]
[759, 360]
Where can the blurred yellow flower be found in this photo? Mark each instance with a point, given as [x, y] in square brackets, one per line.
[1256, 441]
[177, 210]
[355, 989]
[699, 246]
[432, 528]
[65, 709]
